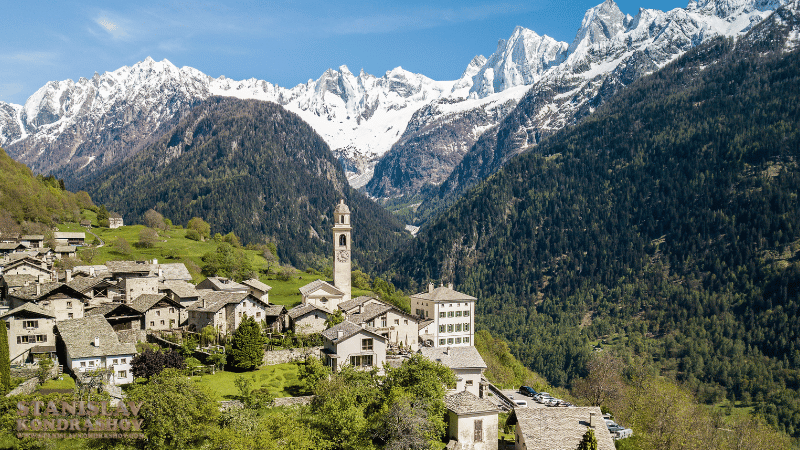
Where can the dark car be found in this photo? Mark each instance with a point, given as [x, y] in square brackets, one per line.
[527, 390]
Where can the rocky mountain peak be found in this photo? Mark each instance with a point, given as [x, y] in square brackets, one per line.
[600, 23]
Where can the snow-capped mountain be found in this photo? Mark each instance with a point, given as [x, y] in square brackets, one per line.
[417, 127]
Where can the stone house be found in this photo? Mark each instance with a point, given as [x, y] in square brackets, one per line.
[184, 293]
[120, 316]
[398, 327]
[89, 344]
[30, 331]
[348, 343]
[65, 251]
[32, 240]
[99, 290]
[558, 428]
[134, 278]
[222, 284]
[465, 362]
[69, 238]
[355, 305]
[12, 247]
[308, 318]
[257, 289]
[159, 311]
[10, 282]
[472, 421]
[276, 318]
[224, 310]
[57, 298]
[453, 314]
[115, 220]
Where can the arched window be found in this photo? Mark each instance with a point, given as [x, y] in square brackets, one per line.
[341, 219]
[342, 240]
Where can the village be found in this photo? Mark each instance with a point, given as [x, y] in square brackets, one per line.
[89, 319]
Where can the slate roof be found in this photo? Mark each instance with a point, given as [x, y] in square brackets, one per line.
[69, 235]
[455, 357]
[222, 284]
[255, 284]
[559, 428]
[31, 261]
[101, 310]
[78, 336]
[425, 323]
[100, 270]
[29, 308]
[32, 237]
[370, 312]
[305, 308]
[65, 249]
[146, 301]
[317, 284]
[274, 310]
[181, 288]
[29, 292]
[14, 281]
[129, 266]
[83, 284]
[12, 245]
[358, 301]
[175, 271]
[213, 301]
[349, 329]
[443, 294]
[466, 402]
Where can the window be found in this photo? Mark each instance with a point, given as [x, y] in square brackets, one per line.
[152, 323]
[458, 313]
[342, 240]
[30, 324]
[450, 328]
[258, 314]
[240, 314]
[466, 313]
[442, 342]
[91, 363]
[83, 363]
[466, 327]
[442, 315]
[162, 321]
[341, 219]
[450, 314]
[70, 316]
[450, 340]
[478, 430]
[458, 340]
[41, 338]
[397, 321]
[361, 361]
[458, 327]
[406, 321]
[366, 345]
[171, 310]
[383, 321]
[441, 328]
[122, 374]
[468, 383]
[69, 304]
[116, 361]
[466, 340]
[123, 360]
[22, 339]
[158, 312]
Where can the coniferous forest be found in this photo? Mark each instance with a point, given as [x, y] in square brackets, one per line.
[668, 217]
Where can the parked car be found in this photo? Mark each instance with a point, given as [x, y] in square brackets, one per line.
[521, 403]
[542, 397]
[528, 391]
[553, 402]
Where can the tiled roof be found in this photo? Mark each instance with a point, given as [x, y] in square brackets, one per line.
[65, 249]
[255, 284]
[443, 293]
[79, 334]
[455, 357]
[69, 235]
[358, 301]
[83, 284]
[174, 271]
[213, 301]
[29, 292]
[129, 266]
[181, 288]
[305, 308]
[370, 312]
[466, 402]
[559, 428]
[317, 284]
[348, 329]
[30, 308]
[425, 323]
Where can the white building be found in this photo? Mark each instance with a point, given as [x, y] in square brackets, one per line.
[452, 312]
[90, 344]
[348, 343]
[472, 421]
[465, 362]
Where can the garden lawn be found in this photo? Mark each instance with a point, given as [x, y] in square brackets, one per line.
[281, 380]
[65, 383]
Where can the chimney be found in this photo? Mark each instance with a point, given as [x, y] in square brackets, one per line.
[447, 350]
[38, 289]
[450, 285]
[155, 261]
[339, 334]
[91, 271]
[67, 276]
[593, 420]
[430, 287]
[97, 341]
[160, 272]
[41, 279]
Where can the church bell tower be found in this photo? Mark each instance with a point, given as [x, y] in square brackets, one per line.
[341, 249]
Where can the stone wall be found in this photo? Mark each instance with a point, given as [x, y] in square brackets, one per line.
[25, 388]
[274, 357]
[132, 336]
[293, 401]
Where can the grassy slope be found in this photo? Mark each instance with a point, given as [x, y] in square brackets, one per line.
[281, 380]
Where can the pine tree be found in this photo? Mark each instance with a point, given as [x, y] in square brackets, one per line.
[589, 441]
[5, 364]
[247, 348]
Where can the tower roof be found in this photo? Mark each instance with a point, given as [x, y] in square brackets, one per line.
[342, 208]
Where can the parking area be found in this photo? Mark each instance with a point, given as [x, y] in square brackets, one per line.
[515, 395]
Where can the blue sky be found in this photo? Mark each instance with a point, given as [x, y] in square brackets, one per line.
[284, 41]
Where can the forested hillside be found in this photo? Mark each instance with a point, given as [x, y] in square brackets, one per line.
[37, 199]
[669, 216]
[253, 168]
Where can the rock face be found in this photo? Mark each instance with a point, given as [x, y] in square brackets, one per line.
[396, 135]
